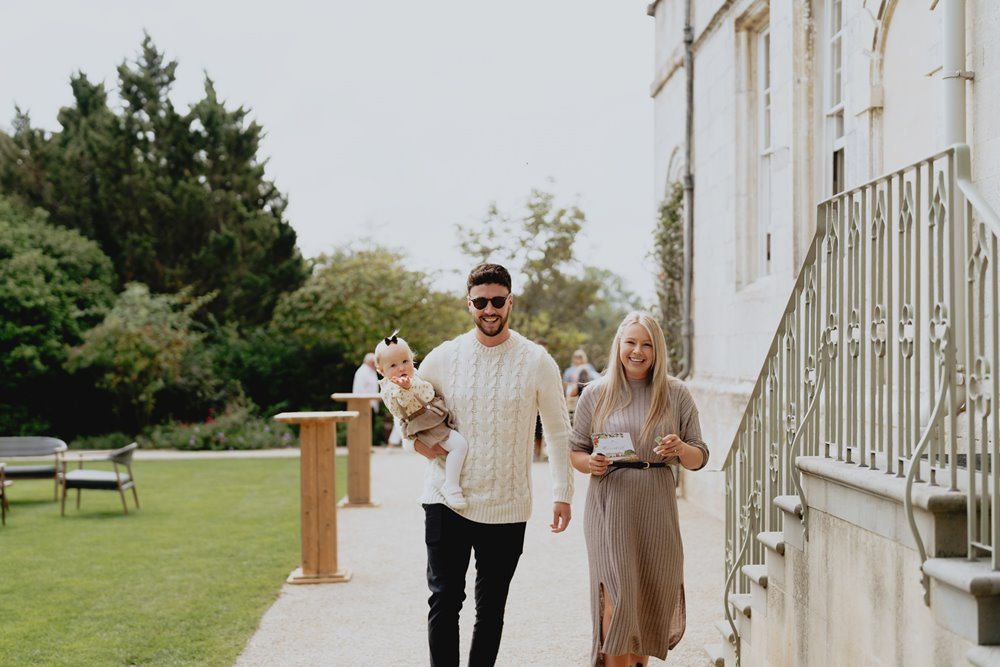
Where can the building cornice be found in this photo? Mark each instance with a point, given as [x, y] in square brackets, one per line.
[676, 62]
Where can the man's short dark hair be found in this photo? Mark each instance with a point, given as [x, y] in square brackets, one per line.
[488, 274]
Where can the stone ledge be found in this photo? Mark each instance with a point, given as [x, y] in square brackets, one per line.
[873, 501]
[983, 656]
[793, 532]
[876, 482]
[965, 598]
[789, 504]
[725, 631]
[757, 574]
[774, 557]
[774, 540]
[971, 576]
[740, 602]
[715, 655]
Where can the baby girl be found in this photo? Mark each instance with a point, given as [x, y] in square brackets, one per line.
[421, 411]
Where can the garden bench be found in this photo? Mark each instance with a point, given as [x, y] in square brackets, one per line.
[33, 447]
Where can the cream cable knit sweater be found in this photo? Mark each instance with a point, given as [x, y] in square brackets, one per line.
[493, 393]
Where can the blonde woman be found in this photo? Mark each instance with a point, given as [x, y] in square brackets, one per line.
[631, 524]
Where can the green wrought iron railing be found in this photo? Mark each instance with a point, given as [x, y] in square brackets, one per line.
[889, 335]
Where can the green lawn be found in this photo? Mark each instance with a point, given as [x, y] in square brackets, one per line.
[182, 581]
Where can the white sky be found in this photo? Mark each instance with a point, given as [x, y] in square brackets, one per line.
[393, 119]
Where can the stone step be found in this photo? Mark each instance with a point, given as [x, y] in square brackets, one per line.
[789, 504]
[715, 655]
[773, 540]
[793, 532]
[983, 656]
[728, 636]
[741, 602]
[756, 573]
[965, 597]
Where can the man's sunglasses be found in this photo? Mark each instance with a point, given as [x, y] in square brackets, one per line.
[479, 303]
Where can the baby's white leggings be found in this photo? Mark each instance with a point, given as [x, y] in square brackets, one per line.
[457, 447]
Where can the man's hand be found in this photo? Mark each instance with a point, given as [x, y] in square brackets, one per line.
[561, 514]
[401, 380]
[429, 452]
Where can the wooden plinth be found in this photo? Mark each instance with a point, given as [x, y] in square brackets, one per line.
[359, 450]
[317, 466]
[340, 577]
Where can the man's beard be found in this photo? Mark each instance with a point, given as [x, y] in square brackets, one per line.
[499, 324]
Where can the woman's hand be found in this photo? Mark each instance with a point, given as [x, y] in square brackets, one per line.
[671, 445]
[690, 457]
[598, 464]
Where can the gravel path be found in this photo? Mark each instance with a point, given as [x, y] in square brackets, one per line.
[379, 617]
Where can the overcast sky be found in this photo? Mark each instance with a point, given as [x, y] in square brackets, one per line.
[393, 119]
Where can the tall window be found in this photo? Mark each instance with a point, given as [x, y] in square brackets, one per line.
[764, 148]
[755, 144]
[835, 95]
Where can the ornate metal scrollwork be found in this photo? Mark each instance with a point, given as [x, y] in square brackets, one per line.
[809, 293]
[774, 466]
[979, 393]
[854, 229]
[854, 332]
[790, 421]
[939, 327]
[905, 331]
[879, 331]
[939, 210]
[905, 221]
[878, 220]
[979, 258]
[809, 373]
[831, 336]
[833, 240]
[756, 422]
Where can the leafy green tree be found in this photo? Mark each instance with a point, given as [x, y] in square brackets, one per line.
[54, 284]
[557, 297]
[138, 349]
[357, 297]
[321, 332]
[668, 252]
[175, 199]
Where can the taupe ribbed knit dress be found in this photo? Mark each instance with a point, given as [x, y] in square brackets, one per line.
[632, 530]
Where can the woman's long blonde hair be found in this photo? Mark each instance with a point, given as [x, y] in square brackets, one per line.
[615, 393]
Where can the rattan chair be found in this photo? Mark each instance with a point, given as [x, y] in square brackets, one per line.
[119, 479]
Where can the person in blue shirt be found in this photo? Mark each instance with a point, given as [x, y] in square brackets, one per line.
[571, 375]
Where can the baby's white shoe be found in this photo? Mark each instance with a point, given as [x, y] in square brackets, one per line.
[454, 499]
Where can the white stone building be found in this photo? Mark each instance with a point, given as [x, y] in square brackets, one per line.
[792, 103]
[788, 109]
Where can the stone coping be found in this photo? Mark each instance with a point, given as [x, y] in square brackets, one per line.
[936, 499]
[972, 576]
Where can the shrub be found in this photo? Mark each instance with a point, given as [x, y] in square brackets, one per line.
[139, 348]
[237, 428]
[105, 441]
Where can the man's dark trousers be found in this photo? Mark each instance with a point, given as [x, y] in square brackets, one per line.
[451, 540]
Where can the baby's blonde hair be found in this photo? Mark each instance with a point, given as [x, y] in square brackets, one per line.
[383, 345]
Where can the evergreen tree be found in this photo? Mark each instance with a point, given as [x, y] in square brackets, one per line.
[175, 199]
